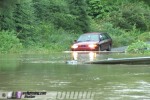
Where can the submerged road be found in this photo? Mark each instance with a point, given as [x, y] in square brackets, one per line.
[123, 48]
[134, 60]
[120, 49]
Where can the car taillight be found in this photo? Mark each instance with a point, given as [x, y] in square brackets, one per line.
[74, 46]
[92, 45]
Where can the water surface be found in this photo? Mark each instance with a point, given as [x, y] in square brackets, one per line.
[51, 74]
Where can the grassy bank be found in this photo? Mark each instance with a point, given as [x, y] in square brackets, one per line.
[62, 40]
[57, 42]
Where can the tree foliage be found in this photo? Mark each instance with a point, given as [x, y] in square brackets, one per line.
[9, 42]
[6, 17]
[23, 19]
[60, 13]
[78, 8]
[36, 22]
[123, 14]
[139, 47]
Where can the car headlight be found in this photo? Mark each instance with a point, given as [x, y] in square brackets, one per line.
[92, 45]
[74, 46]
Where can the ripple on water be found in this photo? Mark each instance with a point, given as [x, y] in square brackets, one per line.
[42, 61]
[141, 90]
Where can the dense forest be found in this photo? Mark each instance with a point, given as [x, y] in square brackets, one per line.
[52, 25]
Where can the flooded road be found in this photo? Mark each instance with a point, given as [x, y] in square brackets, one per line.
[61, 81]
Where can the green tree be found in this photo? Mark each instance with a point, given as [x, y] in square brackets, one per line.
[146, 1]
[6, 18]
[131, 15]
[125, 14]
[55, 12]
[78, 8]
[100, 8]
[24, 19]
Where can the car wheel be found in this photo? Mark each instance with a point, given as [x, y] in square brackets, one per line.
[99, 48]
[109, 48]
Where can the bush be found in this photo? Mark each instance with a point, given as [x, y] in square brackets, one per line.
[144, 36]
[139, 47]
[48, 37]
[9, 42]
[119, 36]
[108, 27]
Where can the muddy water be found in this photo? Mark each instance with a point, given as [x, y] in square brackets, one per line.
[50, 74]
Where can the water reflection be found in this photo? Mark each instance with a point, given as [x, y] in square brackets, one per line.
[75, 55]
[90, 56]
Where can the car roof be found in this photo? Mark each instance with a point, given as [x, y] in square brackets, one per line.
[95, 33]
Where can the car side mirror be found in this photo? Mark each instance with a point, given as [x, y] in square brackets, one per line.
[75, 41]
[100, 38]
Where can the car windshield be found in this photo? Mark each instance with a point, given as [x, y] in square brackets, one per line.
[88, 37]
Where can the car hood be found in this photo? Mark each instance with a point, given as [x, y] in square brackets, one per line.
[86, 43]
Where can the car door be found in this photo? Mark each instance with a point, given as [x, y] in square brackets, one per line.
[103, 42]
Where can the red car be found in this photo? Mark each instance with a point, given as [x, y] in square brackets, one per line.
[93, 42]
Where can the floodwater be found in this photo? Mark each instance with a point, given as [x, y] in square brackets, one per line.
[50, 73]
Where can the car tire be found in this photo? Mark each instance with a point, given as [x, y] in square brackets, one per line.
[99, 48]
[109, 48]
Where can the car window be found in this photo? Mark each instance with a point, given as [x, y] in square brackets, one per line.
[88, 37]
[108, 37]
[82, 38]
[100, 36]
[103, 37]
[94, 38]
